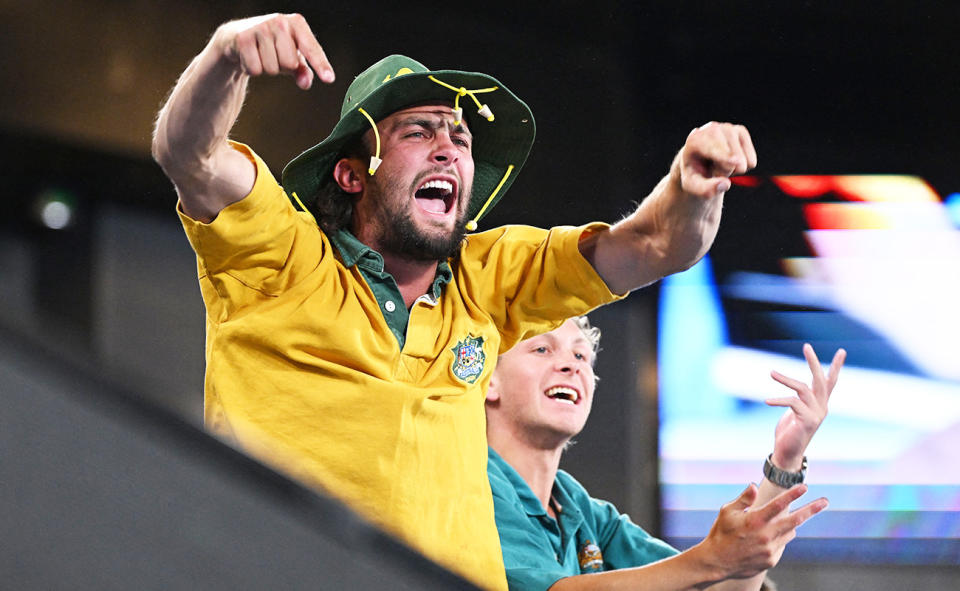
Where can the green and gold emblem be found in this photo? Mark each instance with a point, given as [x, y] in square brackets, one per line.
[468, 359]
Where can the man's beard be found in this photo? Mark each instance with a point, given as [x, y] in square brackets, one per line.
[400, 234]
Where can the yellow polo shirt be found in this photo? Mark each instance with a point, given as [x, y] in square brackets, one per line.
[304, 373]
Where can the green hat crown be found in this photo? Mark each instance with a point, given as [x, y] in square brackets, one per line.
[502, 126]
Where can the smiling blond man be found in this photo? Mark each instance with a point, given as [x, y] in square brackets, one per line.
[555, 536]
[351, 329]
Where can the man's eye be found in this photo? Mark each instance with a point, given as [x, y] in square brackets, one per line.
[415, 134]
[540, 350]
[580, 356]
[461, 142]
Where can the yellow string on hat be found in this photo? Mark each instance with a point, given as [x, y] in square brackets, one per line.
[482, 109]
[472, 224]
[375, 159]
[304, 207]
[485, 112]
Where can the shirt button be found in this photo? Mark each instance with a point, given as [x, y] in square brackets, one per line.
[390, 306]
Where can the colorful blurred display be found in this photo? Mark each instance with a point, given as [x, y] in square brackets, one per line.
[870, 263]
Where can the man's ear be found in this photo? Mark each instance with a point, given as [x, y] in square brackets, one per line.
[493, 389]
[348, 175]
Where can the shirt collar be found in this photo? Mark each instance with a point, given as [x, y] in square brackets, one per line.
[444, 276]
[531, 504]
[571, 512]
[353, 252]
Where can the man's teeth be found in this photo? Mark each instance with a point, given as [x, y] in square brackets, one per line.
[445, 186]
[563, 394]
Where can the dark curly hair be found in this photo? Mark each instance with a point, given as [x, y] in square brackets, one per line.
[332, 206]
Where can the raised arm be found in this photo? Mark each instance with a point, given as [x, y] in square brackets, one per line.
[752, 531]
[804, 415]
[805, 412]
[190, 138]
[676, 224]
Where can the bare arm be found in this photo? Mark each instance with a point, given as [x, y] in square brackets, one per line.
[804, 415]
[676, 224]
[190, 139]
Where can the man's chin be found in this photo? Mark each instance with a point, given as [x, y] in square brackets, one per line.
[434, 243]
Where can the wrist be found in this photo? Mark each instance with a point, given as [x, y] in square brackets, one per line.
[781, 477]
[705, 564]
[787, 462]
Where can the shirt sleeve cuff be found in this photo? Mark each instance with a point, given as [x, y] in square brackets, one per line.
[582, 274]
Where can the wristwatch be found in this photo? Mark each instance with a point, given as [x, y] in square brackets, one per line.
[782, 478]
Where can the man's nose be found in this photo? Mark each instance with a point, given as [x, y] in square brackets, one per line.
[444, 150]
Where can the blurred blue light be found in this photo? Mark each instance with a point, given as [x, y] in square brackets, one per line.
[952, 203]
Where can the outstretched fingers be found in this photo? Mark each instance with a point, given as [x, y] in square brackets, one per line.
[746, 498]
[801, 515]
[822, 383]
[793, 384]
[805, 397]
[781, 502]
[816, 370]
[834, 372]
[777, 512]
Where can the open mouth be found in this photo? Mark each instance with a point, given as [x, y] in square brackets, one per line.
[563, 394]
[436, 196]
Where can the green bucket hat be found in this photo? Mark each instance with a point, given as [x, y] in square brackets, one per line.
[501, 124]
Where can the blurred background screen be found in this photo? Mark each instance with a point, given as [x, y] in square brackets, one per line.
[870, 263]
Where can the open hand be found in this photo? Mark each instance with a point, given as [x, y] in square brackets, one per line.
[746, 541]
[806, 410]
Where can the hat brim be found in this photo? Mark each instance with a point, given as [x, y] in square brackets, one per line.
[497, 144]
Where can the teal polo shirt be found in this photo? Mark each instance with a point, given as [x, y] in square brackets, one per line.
[384, 286]
[591, 535]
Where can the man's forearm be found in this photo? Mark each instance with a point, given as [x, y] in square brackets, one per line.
[669, 232]
[200, 111]
[190, 138]
[676, 224]
[689, 570]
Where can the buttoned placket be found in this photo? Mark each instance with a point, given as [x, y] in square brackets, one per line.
[384, 286]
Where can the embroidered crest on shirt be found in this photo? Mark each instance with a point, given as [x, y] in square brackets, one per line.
[591, 560]
[468, 359]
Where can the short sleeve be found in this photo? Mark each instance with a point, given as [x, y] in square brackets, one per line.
[530, 280]
[257, 247]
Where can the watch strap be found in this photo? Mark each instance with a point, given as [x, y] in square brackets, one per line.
[782, 478]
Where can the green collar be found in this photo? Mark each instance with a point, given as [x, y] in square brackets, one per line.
[531, 504]
[353, 252]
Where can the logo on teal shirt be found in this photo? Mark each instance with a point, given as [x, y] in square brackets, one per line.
[591, 560]
[468, 359]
